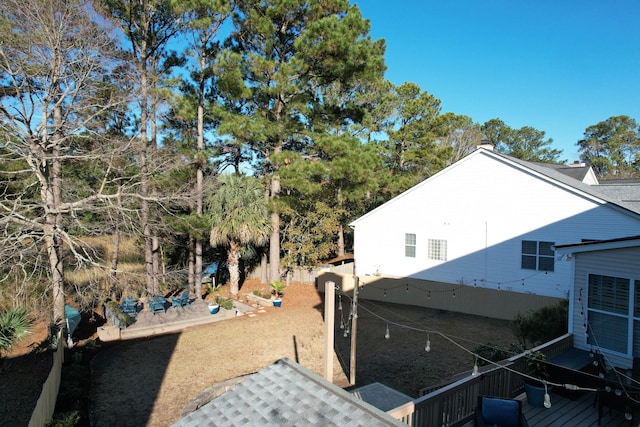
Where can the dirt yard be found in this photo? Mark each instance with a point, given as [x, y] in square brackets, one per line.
[150, 381]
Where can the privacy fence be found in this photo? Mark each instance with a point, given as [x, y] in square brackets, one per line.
[47, 401]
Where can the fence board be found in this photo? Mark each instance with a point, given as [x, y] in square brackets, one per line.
[46, 404]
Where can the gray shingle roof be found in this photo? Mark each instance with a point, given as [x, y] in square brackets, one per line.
[286, 394]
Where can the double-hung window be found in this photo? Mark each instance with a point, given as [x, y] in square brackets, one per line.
[410, 245]
[538, 255]
[609, 309]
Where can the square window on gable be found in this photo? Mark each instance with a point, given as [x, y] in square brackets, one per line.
[537, 255]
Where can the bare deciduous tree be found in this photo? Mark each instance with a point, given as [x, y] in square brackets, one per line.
[56, 57]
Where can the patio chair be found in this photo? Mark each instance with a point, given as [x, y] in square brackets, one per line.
[181, 301]
[156, 304]
[495, 411]
[129, 306]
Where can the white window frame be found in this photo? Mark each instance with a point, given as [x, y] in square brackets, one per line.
[609, 310]
[410, 245]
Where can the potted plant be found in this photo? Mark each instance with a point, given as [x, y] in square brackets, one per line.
[535, 383]
[277, 292]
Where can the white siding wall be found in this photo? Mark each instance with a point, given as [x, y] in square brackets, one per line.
[483, 207]
[624, 263]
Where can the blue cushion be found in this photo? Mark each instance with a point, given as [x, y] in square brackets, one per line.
[501, 412]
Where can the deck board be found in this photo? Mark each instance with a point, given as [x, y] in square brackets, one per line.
[565, 412]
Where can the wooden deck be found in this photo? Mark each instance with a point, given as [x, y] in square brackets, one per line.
[565, 412]
[570, 413]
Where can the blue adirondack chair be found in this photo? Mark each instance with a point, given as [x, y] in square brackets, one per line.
[156, 304]
[181, 301]
[129, 306]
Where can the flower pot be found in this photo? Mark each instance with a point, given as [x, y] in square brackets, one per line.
[535, 394]
[213, 309]
[277, 302]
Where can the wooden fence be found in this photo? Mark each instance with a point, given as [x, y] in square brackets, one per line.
[305, 274]
[46, 404]
[454, 404]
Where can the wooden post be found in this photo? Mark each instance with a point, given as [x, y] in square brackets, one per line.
[354, 328]
[329, 331]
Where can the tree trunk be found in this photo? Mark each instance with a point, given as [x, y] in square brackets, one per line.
[116, 250]
[54, 219]
[274, 240]
[234, 267]
[341, 241]
[144, 185]
[199, 166]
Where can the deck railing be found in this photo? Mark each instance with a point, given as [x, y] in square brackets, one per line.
[454, 404]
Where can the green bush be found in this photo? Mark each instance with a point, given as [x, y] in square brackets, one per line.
[225, 303]
[542, 325]
[262, 294]
[495, 352]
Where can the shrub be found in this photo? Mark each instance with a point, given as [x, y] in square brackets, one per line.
[262, 294]
[225, 303]
[542, 325]
[495, 352]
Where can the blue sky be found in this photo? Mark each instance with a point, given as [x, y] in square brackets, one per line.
[556, 65]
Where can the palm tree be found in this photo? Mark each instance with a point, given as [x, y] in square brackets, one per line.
[14, 326]
[238, 212]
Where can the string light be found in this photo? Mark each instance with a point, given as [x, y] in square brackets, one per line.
[340, 302]
[547, 399]
[407, 286]
[429, 295]
[454, 293]
[385, 292]
[475, 371]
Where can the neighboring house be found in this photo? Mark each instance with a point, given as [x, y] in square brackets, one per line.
[604, 309]
[487, 224]
[286, 394]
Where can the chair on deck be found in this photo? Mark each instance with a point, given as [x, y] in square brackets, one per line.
[129, 306]
[494, 411]
[156, 304]
[181, 301]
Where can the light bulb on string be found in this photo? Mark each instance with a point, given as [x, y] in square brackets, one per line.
[340, 302]
[429, 295]
[547, 399]
[385, 293]
[475, 367]
[387, 334]
[454, 293]
[522, 282]
[475, 284]
[427, 346]
[627, 414]
[407, 286]
[498, 285]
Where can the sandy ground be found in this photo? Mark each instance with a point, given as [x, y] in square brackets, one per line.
[150, 381]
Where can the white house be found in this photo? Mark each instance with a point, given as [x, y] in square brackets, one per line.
[604, 309]
[489, 222]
